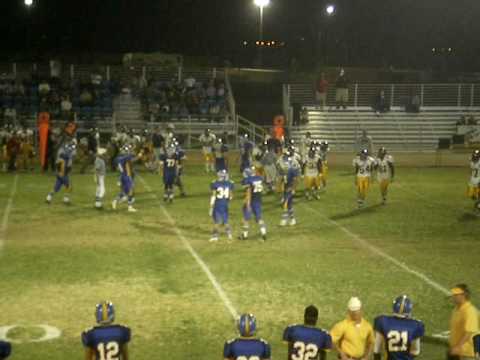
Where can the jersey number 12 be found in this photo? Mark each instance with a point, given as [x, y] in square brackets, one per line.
[109, 351]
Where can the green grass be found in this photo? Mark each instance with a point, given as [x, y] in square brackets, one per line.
[59, 261]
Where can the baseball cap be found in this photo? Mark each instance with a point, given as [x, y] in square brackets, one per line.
[354, 304]
[457, 291]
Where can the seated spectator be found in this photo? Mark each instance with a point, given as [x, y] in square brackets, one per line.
[96, 79]
[43, 88]
[66, 108]
[211, 90]
[86, 98]
[190, 82]
[10, 115]
[380, 104]
[221, 91]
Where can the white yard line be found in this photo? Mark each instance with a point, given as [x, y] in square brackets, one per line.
[213, 280]
[381, 253]
[6, 213]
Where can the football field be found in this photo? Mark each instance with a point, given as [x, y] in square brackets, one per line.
[180, 294]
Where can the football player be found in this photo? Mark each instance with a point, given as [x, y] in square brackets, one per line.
[253, 184]
[307, 341]
[169, 162]
[305, 146]
[125, 166]
[107, 340]
[220, 150]
[323, 152]
[385, 172]
[474, 185]
[100, 172]
[476, 345]
[63, 166]
[269, 160]
[222, 193]
[246, 152]
[290, 184]
[181, 157]
[363, 165]
[5, 349]
[207, 139]
[398, 335]
[313, 169]
[246, 346]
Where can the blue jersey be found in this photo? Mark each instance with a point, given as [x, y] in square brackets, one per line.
[124, 165]
[5, 349]
[476, 343]
[107, 341]
[306, 342]
[170, 162]
[223, 192]
[246, 348]
[255, 184]
[398, 333]
[290, 177]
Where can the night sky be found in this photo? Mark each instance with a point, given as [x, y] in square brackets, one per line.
[401, 33]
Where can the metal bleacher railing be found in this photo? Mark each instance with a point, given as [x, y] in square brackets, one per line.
[441, 107]
[362, 94]
[190, 125]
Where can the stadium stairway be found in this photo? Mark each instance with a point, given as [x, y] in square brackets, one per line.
[397, 130]
[128, 110]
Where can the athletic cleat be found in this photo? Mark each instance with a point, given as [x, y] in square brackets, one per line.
[98, 205]
[292, 222]
[132, 209]
[283, 222]
[114, 204]
[213, 239]
[66, 201]
[48, 200]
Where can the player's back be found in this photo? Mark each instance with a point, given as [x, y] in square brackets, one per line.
[248, 348]
[223, 191]
[5, 349]
[398, 334]
[256, 185]
[306, 341]
[107, 341]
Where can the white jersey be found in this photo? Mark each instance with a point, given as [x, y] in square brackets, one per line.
[311, 166]
[475, 178]
[305, 146]
[364, 166]
[384, 172]
[207, 142]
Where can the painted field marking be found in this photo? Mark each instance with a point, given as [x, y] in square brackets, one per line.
[49, 333]
[6, 213]
[213, 280]
[381, 253]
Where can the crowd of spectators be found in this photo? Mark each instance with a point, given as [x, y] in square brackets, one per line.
[163, 99]
[467, 121]
[22, 98]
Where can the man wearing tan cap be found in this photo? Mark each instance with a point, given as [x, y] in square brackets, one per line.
[353, 337]
[463, 324]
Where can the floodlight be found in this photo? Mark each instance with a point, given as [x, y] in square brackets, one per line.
[261, 3]
[330, 9]
[28, 2]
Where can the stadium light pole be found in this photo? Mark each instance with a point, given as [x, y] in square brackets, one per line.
[261, 4]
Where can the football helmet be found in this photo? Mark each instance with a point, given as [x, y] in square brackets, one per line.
[364, 153]
[476, 155]
[105, 313]
[249, 171]
[324, 145]
[311, 152]
[247, 325]
[402, 306]
[382, 152]
[222, 175]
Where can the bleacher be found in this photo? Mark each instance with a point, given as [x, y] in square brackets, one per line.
[442, 107]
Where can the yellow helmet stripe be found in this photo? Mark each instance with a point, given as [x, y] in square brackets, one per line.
[402, 305]
[247, 326]
[104, 311]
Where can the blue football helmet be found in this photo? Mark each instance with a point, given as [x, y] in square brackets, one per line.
[249, 171]
[222, 175]
[402, 306]
[105, 313]
[247, 325]
[476, 155]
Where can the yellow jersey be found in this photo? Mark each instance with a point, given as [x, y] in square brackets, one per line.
[353, 338]
[464, 320]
